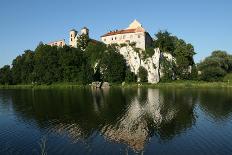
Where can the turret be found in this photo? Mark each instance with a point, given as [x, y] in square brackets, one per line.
[85, 31]
[72, 36]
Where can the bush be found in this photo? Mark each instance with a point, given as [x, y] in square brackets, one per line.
[113, 66]
[213, 74]
[142, 74]
[228, 78]
[130, 76]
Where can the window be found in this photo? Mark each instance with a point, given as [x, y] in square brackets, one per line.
[124, 37]
[105, 39]
[71, 39]
[71, 35]
[138, 36]
[115, 38]
[112, 38]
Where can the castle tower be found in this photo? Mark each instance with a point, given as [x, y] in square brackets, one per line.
[72, 36]
[85, 31]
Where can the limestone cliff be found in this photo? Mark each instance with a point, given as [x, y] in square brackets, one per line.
[135, 59]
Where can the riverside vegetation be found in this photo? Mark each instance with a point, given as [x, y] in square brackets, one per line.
[49, 66]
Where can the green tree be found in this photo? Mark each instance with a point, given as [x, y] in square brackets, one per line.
[216, 66]
[164, 41]
[113, 66]
[5, 75]
[94, 51]
[82, 41]
[46, 68]
[181, 51]
[213, 74]
[142, 74]
[16, 70]
[130, 76]
[70, 62]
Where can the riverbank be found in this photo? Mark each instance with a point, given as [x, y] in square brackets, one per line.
[174, 84]
[183, 84]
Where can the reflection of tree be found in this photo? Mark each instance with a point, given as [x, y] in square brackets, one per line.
[216, 103]
[130, 116]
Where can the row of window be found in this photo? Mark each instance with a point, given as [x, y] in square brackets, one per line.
[124, 37]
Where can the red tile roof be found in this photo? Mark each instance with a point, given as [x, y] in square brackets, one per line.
[120, 32]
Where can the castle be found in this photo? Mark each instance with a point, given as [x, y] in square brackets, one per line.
[73, 37]
[135, 33]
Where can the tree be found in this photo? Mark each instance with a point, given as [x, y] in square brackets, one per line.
[167, 69]
[113, 66]
[216, 66]
[130, 76]
[181, 51]
[16, 70]
[213, 74]
[142, 74]
[46, 69]
[5, 75]
[70, 62]
[82, 41]
[94, 51]
[164, 41]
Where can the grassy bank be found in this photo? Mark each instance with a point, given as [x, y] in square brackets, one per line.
[183, 84]
[174, 84]
[43, 86]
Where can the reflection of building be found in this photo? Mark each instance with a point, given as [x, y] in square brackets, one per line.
[133, 127]
[135, 33]
[126, 116]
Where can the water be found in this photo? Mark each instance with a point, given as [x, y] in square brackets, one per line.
[116, 121]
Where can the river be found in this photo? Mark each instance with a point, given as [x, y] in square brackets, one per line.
[116, 121]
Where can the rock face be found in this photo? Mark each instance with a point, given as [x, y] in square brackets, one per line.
[151, 64]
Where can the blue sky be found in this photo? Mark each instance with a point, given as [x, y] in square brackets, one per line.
[207, 24]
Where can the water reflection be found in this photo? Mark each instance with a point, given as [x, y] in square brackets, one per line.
[126, 116]
[217, 103]
[130, 117]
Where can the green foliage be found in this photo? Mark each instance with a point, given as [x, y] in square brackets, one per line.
[215, 67]
[5, 75]
[164, 41]
[149, 52]
[22, 67]
[95, 51]
[181, 51]
[130, 76]
[82, 41]
[113, 66]
[228, 78]
[213, 74]
[183, 54]
[142, 74]
[47, 67]
[166, 69]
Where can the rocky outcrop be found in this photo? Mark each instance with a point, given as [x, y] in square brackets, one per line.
[98, 84]
[151, 64]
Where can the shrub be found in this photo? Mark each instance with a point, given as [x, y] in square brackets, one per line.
[213, 74]
[130, 76]
[142, 74]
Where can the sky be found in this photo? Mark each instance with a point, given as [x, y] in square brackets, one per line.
[206, 24]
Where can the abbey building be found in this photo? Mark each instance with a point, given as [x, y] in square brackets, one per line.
[135, 33]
